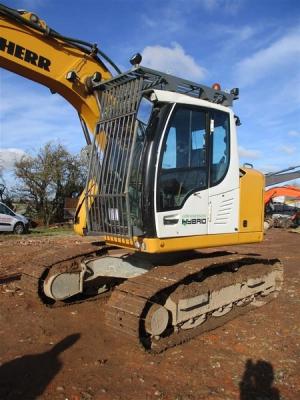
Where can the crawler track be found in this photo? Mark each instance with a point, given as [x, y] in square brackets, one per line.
[130, 302]
[181, 277]
[32, 282]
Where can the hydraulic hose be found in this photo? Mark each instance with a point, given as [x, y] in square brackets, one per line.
[85, 47]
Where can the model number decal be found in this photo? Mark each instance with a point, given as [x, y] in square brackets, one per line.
[193, 219]
[24, 54]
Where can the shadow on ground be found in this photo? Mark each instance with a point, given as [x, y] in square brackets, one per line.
[27, 377]
[257, 382]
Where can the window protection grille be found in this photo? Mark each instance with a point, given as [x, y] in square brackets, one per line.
[107, 199]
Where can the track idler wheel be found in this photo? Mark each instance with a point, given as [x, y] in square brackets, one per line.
[64, 285]
[157, 320]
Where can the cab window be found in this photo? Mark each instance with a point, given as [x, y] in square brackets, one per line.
[220, 147]
[183, 167]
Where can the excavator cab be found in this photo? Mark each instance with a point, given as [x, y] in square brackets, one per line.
[164, 156]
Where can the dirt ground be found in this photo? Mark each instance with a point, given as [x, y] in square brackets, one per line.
[68, 353]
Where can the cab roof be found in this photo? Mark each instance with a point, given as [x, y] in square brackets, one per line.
[152, 79]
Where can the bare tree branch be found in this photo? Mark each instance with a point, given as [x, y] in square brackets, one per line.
[47, 178]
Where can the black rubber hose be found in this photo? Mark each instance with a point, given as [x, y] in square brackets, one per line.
[92, 48]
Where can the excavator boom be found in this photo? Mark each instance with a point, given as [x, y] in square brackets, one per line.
[28, 47]
[285, 175]
[290, 191]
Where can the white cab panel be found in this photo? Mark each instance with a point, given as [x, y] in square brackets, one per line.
[212, 210]
[223, 198]
[190, 220]
[223, 212]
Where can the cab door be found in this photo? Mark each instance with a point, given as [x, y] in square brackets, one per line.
[182, 174]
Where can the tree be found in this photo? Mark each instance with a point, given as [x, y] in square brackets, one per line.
[5, 196]
[2, 183]
[1, 173]
[47, 178]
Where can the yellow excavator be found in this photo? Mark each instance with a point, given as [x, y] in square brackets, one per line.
[164, 182]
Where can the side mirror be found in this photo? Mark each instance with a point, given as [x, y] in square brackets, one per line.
[248, 165]
[237, 121]
[235, 92]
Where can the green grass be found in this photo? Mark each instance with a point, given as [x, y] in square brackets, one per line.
[51, 231]
[40, 231]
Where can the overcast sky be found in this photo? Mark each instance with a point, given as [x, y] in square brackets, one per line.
[250, 44]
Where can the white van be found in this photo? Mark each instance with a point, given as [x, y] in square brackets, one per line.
[12, 222]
